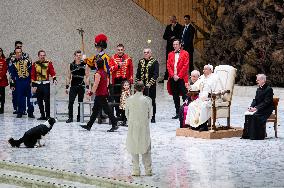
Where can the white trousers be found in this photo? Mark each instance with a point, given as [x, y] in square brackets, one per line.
[146, 159]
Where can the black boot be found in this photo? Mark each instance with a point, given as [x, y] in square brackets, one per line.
[42, 118]
[114, 127]
[123, 123]
[153, 120]
[69, 120]
[203, 127]
[86, 127]
[176, 116]
[31, 115]
[2, 108]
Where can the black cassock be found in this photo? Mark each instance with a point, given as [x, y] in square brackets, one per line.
[254, 127]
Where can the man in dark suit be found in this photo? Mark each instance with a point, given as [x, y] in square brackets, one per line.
[187, 40]
[259, 111]
[173, 31]
[178, 74]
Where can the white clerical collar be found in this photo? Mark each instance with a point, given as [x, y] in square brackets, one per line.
[262, 86]
[186, 25]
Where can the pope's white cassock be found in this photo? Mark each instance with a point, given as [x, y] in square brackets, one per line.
[199, 111]
[138, 111]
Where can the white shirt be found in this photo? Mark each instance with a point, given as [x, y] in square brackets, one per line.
[176, 61]
[185, 28]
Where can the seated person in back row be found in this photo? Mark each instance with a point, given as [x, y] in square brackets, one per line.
[259, 111]
[194, 75]
[199, 111]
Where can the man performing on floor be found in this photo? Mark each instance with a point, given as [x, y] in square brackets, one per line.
[100, 45]
[100, 89]
[199, 111]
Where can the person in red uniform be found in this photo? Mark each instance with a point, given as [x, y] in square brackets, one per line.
[41, 69]
[3, 79]
[121, 68]
[178, 65]
[100, 89]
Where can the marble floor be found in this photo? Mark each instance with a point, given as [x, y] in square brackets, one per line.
[177, 161]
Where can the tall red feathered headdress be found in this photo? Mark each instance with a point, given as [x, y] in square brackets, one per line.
[101, 41]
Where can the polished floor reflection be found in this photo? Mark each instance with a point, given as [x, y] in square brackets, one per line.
[177, 161]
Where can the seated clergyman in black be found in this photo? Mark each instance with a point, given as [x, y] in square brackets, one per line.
[259, 111]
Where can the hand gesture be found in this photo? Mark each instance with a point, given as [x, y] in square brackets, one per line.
[34, 89]
[55, 82]
[176, 78]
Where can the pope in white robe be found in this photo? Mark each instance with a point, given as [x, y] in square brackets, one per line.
[199, 111]
[138, 111]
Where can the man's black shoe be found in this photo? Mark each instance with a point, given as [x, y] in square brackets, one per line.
[122, 124]
[42, 118]
[15, 112]
[78, 119]
[194, 128]
[203, 127]
[31, 115]
[153, 120]
[113, 129]
[245, 137]
[69, 120]
[86, 127]
[175, 117]
[19, 116]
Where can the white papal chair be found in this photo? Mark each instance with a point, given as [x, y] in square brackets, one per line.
[222, 97]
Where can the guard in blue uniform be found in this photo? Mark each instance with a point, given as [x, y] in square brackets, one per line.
[18, 44]
[20, 72]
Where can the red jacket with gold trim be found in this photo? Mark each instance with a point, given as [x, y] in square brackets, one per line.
[42, 70]
[123, 71]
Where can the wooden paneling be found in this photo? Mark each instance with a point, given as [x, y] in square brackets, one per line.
[162, 9]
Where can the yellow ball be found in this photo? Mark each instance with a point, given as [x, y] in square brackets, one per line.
[149, 41]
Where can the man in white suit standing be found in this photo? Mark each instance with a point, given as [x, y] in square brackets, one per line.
[138, 111]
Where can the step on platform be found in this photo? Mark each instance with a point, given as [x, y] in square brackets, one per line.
[26, 175]
[232, 132]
